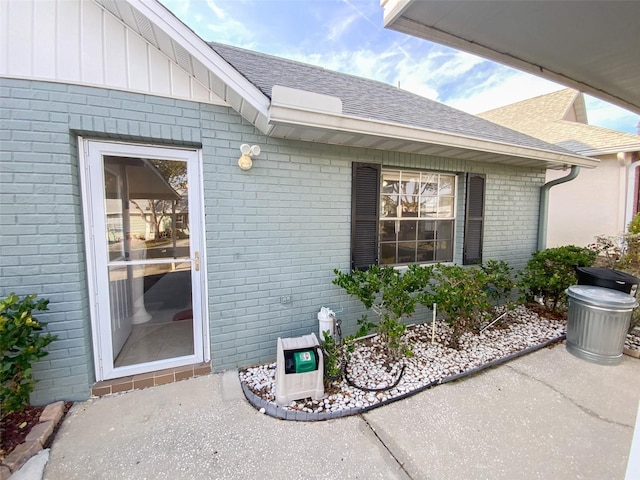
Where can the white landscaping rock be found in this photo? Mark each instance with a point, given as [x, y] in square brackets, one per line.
[430, 362]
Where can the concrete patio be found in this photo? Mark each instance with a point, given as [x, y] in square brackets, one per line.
[545, 415]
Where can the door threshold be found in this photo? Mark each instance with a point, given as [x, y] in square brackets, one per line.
[151, 379]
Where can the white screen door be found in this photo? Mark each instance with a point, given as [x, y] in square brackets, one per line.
[143, 212]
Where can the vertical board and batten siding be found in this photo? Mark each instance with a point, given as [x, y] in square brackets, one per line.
[274, 234]
[93, 47]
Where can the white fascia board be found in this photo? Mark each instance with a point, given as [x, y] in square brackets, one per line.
[200, 50]
[342, 123]
[392, 9]
[610, 150]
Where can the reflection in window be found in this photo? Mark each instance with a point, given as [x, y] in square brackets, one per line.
[417, 216]
[146, 208]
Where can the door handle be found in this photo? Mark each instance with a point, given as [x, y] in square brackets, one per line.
[196, 261]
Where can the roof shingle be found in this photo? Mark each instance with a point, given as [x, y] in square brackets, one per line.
[370, 99]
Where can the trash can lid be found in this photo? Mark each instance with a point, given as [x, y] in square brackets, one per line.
[601, 297]
[609, 274]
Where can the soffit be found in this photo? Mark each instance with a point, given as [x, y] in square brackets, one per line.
[591, 46]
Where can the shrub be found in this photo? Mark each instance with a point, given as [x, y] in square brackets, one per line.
[392, 295]
[499, 281]
[333, 358]
[550, 272]
[466, 294]
[22, 343]
[622, 253]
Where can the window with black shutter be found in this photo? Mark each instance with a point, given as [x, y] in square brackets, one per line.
[474, 219]
[365, 203]
[400, 217]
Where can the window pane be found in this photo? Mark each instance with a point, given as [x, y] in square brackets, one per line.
[407, 230]
[444, 230]
[389, 207]
[428, 206]
[391, 182]
[388, 231]
[446, 185]
[426, 230]
[410, 205]
[429, 184]
[425, 252]
[445, 207]
[406, 252]
[388, 253]
[444, 251]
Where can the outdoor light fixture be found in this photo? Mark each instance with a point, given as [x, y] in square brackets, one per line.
[244, 162]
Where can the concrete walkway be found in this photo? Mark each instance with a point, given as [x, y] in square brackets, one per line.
[547, 415]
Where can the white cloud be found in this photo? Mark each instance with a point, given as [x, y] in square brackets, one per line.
[338, 28]
[226, 29]
[217, 11]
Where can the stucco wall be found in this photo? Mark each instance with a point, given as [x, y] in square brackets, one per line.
[591, 205]
[275, 231]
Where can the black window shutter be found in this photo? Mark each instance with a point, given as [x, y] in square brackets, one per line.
[365, 200]
[474, 219]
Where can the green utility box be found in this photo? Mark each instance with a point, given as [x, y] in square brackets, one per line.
[301, 360]
[304, 361]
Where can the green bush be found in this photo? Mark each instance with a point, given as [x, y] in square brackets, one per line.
[22, 343]
[634, 225]
[466, 295]
[550, 272]
[392, 295]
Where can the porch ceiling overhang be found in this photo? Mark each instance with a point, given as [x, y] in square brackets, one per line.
[590, 46]
[332, 128]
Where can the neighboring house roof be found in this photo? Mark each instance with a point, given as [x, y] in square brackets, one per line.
[560, 118]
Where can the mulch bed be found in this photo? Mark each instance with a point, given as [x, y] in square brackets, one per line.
[16, 426]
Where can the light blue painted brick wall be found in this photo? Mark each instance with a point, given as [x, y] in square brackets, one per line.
[275, 231]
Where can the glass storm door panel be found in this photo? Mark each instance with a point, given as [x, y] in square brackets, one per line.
[146, 244]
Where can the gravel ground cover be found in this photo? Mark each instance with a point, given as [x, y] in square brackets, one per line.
[632, 342]
[371, 379]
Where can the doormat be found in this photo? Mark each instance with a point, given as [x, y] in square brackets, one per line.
[183, 315]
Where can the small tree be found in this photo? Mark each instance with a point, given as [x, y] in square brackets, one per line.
[392, 295]
[550, 272]
[22, 343]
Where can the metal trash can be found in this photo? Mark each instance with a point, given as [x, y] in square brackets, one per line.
[607, 278]
[598, 322]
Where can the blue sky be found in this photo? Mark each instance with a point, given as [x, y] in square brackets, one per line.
[347, 36]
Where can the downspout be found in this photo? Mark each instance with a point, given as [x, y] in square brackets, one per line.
[544, 205]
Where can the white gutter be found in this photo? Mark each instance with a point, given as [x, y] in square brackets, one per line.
[295, 116]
